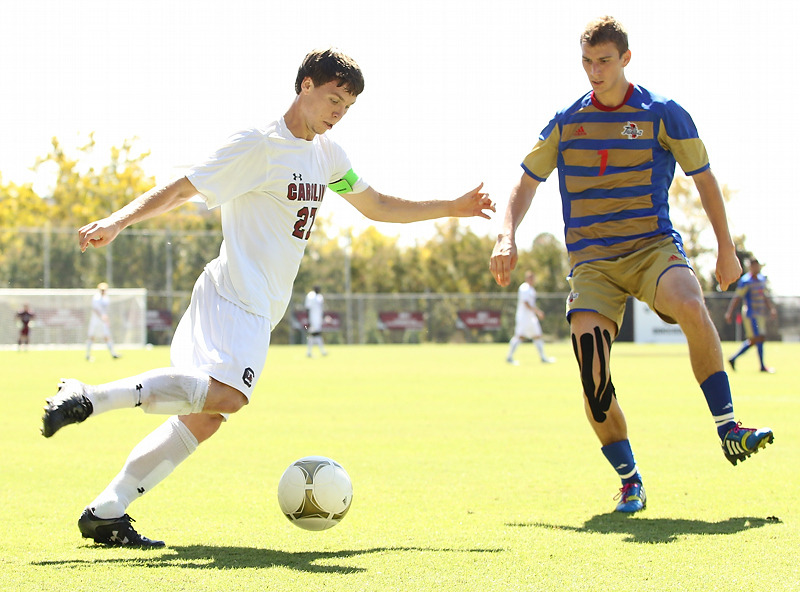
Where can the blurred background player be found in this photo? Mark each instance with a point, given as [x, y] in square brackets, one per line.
[616, 149]
[315, 307]
[99, 323]
[24, 316]
[527, 325]
[269, 181]
[752, 294]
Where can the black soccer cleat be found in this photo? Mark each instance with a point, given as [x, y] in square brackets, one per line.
[114, 532]
[70, 405]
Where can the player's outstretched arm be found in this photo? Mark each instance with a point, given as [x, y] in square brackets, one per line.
[504, 254]
[728, 267]
[385, 208]
[148, 205]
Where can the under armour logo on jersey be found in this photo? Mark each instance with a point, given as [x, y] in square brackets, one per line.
[297, 176]
[632, 131]
[248, 376]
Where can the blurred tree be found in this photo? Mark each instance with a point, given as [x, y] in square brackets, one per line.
[548, 258]
[690, 220]
[37, 228]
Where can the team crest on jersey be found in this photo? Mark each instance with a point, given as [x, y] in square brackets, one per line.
[632, 131]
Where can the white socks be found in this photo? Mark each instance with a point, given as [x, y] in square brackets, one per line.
[149, 463]
[168, 391]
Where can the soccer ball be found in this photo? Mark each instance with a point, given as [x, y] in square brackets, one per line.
[315, 493]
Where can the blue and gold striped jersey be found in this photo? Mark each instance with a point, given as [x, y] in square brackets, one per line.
[752, 289]
[615, 166]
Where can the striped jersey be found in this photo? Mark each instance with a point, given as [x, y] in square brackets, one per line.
[615, 167]
[752, 289]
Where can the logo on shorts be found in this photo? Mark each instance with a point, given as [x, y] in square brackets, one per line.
[573, 296]
[674, 258]
[248, 377]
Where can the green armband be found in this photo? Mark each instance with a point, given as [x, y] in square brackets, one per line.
[345, 184]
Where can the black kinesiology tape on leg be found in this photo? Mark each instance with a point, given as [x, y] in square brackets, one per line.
[598, 395]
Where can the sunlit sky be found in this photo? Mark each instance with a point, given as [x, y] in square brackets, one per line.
[456, 91]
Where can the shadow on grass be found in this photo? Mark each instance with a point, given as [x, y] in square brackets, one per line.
[207, 557]
[655, 530]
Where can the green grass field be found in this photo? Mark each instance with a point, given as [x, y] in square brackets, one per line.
[469, 474]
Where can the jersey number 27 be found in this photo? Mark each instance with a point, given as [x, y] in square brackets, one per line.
[305, 221]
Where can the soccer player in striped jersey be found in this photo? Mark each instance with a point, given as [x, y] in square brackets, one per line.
[752, 292]
[615, 149]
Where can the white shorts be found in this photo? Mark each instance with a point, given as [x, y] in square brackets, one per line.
[97, 328]
[222, 339]
[528, 327]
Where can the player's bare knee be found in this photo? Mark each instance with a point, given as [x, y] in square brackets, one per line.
[223, 398]
[597, 386]
[691, 311]
[233, 402]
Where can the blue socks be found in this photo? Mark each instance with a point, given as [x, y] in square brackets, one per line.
[717, 391]
[744, 348]
[620, 455]
[760, 349]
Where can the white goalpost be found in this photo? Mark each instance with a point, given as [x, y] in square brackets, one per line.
[61, 317]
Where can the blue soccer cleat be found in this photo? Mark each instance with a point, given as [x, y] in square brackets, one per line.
[739, 442]
[632, 498]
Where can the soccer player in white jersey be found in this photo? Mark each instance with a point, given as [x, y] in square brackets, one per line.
[315, 308]
[99, 323]
[269, 182]
[527, 325]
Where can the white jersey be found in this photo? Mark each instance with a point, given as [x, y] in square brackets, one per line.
[315, 304]
[269, 185]
[100, 305]
[98, 324]
[527, 323]
[526, 297]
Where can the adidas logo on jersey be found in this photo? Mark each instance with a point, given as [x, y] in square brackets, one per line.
[580, 132]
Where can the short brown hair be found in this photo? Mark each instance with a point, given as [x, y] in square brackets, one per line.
[325, 65]
[606, 29]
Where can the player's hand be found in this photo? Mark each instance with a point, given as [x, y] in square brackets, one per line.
[97, 234]
[474, 203]
[503, 260]
[728, 268]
